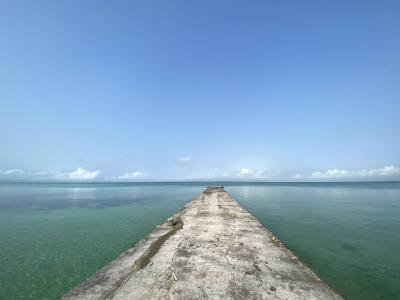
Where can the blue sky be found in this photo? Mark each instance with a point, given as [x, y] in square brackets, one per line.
[170, 90]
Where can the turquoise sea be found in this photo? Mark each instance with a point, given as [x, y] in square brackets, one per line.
[54, 235]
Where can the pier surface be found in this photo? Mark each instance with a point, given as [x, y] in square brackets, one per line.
[212, 248]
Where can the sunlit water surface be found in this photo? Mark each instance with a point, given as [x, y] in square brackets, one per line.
[52, 236]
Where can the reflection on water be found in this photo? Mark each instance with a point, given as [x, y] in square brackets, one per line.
[55, 197]
[54, 235]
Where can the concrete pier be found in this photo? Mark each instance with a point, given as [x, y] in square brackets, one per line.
[212, 248]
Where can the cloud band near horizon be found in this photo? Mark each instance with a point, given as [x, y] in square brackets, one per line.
[81, 174]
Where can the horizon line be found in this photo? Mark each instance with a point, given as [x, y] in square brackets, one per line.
[194, 181]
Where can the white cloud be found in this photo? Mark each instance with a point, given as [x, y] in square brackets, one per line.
[298, 176]
[333, 173]
[82, 174]
[245, 172]
[132, 175]
[184, 159]
[387, 171]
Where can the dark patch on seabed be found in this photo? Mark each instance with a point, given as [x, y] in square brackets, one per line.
[348, 247]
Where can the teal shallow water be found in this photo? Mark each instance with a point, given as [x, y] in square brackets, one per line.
[53, 236]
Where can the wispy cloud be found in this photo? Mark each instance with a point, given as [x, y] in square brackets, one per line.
[12, 172]
[183, 159]
[387, 171]
[25, 174]
[242, 174]
[131, 175]
[78, 174]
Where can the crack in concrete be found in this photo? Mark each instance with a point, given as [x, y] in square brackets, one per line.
[153, 249]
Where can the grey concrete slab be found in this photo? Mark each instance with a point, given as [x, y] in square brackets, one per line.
[211, 249]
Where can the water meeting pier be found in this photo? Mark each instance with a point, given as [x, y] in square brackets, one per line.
[212, 248]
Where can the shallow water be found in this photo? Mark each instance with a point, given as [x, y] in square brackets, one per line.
[52, 236]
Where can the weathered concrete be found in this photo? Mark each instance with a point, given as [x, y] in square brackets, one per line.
[212, 248]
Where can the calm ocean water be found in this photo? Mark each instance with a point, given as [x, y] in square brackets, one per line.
[52, 236]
